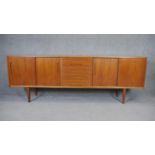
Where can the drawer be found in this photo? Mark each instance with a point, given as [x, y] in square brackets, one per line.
[76, 71]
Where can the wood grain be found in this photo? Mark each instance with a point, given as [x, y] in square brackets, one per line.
[48, 71]
[105, 71]
[21, 71]
[132, 72]
[76, 71]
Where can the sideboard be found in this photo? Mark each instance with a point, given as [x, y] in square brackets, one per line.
[77, 72]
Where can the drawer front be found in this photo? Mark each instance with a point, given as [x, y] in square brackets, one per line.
[48, 71]
[76, 71]
[132, 72]
[105, 71]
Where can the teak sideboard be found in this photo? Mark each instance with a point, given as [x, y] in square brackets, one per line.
[77, 72]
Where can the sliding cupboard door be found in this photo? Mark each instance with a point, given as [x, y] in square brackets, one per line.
[105, 71]
[48, 71]
[21, 71]
[132, 72]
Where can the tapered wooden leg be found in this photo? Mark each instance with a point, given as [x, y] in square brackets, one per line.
[123, 96]
[28, 94]
[116, 92]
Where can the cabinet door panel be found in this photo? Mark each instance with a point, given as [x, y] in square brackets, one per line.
[132, 72]
[105, 71]
[48, 71]
[76, 71]
[21, 71]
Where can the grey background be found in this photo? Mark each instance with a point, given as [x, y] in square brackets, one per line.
[87, 105]
[77, 44]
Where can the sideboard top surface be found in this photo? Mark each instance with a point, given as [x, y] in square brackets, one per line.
[76, 56]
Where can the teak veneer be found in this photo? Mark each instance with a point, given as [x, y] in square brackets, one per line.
[77, 72]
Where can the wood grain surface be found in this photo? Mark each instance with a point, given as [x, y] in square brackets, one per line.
[48, 71]
[21, 71]
[105, 71]
[132, 72]
[76, 71]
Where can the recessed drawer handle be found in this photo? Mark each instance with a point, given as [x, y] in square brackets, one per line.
[76, 64]
[10, 64]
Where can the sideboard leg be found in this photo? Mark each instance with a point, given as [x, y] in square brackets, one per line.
[28, 94]
[123, 96]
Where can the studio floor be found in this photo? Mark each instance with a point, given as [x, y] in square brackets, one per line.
[78, 105]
